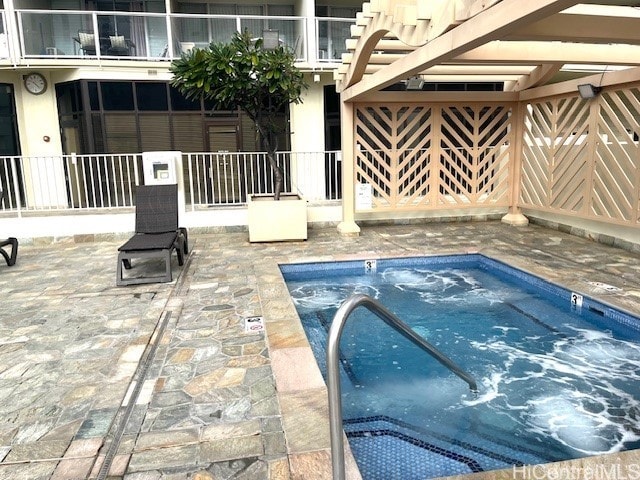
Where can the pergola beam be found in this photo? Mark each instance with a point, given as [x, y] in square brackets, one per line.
[476, 70]
[539, 76]
[530, 53]
[585, 23]
[499, 21]
[556, 52]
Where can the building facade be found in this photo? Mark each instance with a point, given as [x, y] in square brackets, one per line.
[86, 76]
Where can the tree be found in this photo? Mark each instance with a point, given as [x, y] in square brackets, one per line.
[242, 74]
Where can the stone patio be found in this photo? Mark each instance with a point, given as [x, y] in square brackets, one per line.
[162, 381]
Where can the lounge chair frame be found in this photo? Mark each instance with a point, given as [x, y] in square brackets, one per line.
[157, 234]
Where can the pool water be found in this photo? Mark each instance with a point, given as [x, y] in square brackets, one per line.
[557, 379]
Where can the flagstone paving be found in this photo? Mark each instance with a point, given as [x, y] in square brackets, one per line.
[162, 381]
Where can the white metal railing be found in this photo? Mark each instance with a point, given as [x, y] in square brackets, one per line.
[228, 178]
[107, 181]
[190, 30]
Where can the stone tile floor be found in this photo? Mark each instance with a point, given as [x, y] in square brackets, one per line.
[161, 381]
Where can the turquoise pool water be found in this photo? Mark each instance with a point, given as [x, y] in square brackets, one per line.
[558, 374]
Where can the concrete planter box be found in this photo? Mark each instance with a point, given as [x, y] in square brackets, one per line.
[274, 221]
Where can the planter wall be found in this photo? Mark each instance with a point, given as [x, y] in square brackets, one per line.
[274, 221]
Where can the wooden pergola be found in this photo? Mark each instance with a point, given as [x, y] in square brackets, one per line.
[524, 43]
[535, 48]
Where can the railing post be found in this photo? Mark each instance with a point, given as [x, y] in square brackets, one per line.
[96, 33]
[16, 185]
[191, 182]
[182, 207]
[170, 41]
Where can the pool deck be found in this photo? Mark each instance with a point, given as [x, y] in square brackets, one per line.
[162, 381]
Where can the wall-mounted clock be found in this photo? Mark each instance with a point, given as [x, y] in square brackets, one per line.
[35, 83]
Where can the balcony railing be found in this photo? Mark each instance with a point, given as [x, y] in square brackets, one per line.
[332, 34]
[142, 36]
[101, 182]
[191, 31]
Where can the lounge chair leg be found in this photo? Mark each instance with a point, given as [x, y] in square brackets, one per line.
[10, 259]
[185, 237]
[167, 261]
[122, 261]
[179, 247]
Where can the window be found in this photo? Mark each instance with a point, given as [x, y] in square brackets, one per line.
[117, 96]
[140, 116]
[152, 96]
[8, 124]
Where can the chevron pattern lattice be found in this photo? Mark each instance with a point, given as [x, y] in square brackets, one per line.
[427, 157]
[582, 157]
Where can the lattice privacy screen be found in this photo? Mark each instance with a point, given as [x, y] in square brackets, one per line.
[432, 156]
[582, 157]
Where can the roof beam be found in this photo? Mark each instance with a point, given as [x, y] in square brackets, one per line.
[475, 71]
[501, 19]
[536, 53]
[584, 24]
[541, 75]
[448, 14]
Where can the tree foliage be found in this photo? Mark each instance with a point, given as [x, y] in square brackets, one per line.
[242, 74]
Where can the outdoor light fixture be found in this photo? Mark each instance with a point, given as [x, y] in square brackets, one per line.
[587, 90]
[415, 83]
[270, 39]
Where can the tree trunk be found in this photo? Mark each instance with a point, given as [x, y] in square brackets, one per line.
[277, 172]
[270, 144]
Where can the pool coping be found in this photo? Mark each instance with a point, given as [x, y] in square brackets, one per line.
[302, 394]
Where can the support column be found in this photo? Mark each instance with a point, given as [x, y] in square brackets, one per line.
[348, 225]
[515, 216]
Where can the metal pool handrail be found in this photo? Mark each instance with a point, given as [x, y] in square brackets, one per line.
[333, 371]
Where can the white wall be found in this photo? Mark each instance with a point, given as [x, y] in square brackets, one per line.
[37, 117]
[67, 226]
[307, 118]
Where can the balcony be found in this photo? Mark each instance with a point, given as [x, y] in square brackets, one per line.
[98, 35]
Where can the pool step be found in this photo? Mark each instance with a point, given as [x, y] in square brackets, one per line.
[388, 448]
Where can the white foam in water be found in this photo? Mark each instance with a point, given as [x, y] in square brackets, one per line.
[578, 403]
[562, 417]
[433, 394]
[406, 279]
[503, 329]
[323, 296]
[423, 331]
[488, 391]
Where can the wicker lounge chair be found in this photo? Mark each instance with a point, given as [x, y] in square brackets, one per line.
[157, 233]
[10, 258]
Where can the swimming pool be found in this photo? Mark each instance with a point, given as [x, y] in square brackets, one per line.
[557, 372]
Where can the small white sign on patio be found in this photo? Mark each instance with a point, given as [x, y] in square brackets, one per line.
[253, 324]
[363, 196]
